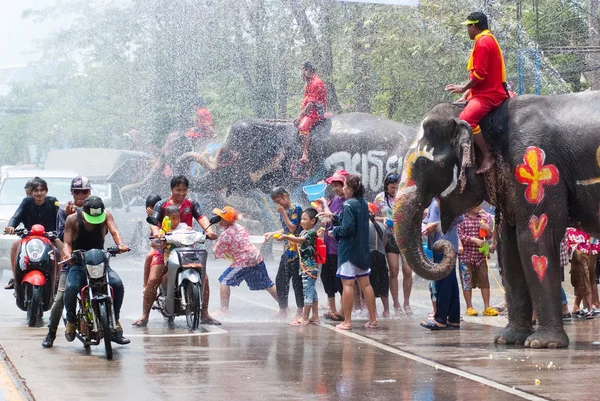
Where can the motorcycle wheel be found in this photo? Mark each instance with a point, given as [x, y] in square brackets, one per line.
[192, 311]
[106, 333]
[33, 306]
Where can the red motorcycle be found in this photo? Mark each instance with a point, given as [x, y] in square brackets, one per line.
[35, 279]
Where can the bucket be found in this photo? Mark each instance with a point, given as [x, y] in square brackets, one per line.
[314, 192]
[428, 252]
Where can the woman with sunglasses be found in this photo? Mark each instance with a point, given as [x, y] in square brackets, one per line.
[384, 203]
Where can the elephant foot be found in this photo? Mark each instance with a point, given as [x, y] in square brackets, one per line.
[548, 339]
[510, 335]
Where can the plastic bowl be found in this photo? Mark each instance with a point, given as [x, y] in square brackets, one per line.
[314, 192]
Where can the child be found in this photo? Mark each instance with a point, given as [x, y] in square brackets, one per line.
[473, 233]
[308, 266]
[380, 279]
[150, 202]
[584, 251]
[288, 266]
[247, 264]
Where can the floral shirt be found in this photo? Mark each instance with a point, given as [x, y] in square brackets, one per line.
[469, 228]
[385, 208]
[579, 240]
[294, 214]
[307, 251]
[234, 244]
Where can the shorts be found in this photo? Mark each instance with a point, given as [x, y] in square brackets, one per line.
[348, 271]
[583, 272]
[309, 287]
[474, 276]
[331, 283]
[433, 291]
[391, 246]
[256, 277]
[380, 277]
[307, 123]
[158, 258]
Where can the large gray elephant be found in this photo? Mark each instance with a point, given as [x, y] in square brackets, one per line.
[261, 154]
[546, 176]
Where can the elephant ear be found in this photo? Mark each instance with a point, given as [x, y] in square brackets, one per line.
[463, 148]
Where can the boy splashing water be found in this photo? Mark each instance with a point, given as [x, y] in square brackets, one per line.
[309, 270]
[247, 264]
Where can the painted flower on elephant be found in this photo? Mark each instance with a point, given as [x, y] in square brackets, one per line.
[535, 174]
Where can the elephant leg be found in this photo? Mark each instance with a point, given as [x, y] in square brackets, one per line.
[541, 264]
[518, 298]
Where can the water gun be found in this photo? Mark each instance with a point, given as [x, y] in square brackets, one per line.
[485, 248]
[317, 205]
[277, 236]
[482, 232]
[166, 226]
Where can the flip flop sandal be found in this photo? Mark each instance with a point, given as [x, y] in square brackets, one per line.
[315, 322]
[210, 321]
[370, 325]
[432, 326]
[296, 322]
[408, 310]
[340, 327]
[140, 323]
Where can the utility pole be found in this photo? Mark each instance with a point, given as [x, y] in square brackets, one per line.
[593, 61]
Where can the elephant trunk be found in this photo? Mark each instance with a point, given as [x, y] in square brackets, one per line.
[408, 216]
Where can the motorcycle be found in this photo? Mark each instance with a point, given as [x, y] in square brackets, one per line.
[186, 268]
[35, 278]
[95, 315]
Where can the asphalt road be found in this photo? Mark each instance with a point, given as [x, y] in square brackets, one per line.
[252, 356]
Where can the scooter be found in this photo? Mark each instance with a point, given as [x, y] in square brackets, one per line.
[35, 278]
[95, 315]
[186, 268]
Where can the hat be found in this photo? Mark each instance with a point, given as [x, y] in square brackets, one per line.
[228, 214]
[81, 182]
[93, 210]
[474, 18]
[339, 175]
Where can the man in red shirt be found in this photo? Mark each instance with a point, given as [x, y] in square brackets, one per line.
[313, 108]
[487, 81]
[204, 127]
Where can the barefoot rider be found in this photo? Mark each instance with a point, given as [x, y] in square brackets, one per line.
[85, 230]
[487, 81]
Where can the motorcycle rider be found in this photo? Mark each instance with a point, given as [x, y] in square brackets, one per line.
[85, 230]
[35, 209]
[81, 189]
[189, 210]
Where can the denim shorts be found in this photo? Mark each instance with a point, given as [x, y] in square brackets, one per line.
[256, 277]
[309, 288]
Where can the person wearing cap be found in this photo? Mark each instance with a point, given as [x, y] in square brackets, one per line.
[314, 105]
[487, 81]
[35, 209]
[85, 230]
[332, 283]
[247, 264]
[81, 189]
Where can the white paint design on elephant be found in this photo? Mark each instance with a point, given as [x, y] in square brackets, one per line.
[453, 184]
[372, 166]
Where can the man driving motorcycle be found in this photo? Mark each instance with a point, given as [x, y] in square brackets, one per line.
[37, 209]
[189, 210]
[85, 230]
[81, 189]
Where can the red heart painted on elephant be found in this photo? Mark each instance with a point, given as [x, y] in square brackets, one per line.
[538, 225]
[540, 263]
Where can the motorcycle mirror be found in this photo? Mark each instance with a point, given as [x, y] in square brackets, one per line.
[153, 221]
[215, 220]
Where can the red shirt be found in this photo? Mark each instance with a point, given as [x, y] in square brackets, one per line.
[204, 121]
[188, 211]
[316, 92]
[487, 69]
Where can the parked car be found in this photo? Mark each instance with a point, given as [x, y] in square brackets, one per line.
[12, 192]
[108, 170]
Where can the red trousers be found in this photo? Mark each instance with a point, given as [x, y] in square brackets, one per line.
[308, 122]
[477, 108]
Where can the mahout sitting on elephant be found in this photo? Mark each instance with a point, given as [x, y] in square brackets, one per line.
[546, 176]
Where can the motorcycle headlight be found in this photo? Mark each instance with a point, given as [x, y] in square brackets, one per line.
[95, 271]
[35, 249]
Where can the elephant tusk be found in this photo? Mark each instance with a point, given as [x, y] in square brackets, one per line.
[453, 184]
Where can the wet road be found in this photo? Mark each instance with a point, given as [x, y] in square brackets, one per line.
[254, 357]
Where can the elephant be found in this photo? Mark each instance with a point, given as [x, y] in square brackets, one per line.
[261, 154]
[546, 177]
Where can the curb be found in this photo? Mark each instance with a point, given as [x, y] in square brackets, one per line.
[12, 386]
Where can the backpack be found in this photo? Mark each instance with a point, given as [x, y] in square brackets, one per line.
[320, 251]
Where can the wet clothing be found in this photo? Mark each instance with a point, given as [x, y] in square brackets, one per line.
[256, 277]
[309, 289]
[352, 234]
[288, 269]
[335, 206]
[29, 214]
[307, 251]
[380, 275]
[59, 302]
[349, 271]
[474, 276]
[234, 244]
[189, 210]
[315, 92]
[469, 228]
[433, 216]
[77, 278]
[294, 213]
[486, 65]
[204, 121]
[331, 283]
[385, 208]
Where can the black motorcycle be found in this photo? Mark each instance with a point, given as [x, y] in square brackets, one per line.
[95, 315]
[35, 278]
